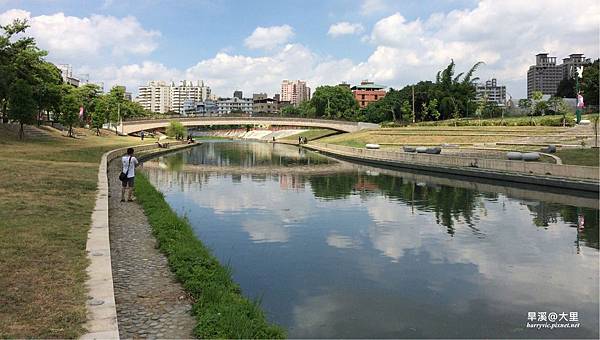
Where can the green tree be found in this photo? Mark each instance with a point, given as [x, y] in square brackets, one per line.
[22, 104]
[334, 102]
[97, 120]
[406, 109]
[70, 107]
[539, 106]
[566, 88]
[176, 130]
[589, 83]
[432, 109]
[306, 109]
[290, 110]
[87, 95]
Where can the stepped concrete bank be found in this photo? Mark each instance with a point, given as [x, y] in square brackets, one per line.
[102, 315]
[572, 177]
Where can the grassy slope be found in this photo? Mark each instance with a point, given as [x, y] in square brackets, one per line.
[311, 134]
[436, 135]
[579, 156]
[221, 310]
[47, 194]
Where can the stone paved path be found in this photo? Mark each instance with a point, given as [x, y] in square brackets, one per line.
[150, 302]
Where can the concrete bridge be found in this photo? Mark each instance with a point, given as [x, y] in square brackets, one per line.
[132, 126]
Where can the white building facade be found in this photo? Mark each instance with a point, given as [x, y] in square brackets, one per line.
[494, 92]
[294, 91]
[229, 105]
[160, 97]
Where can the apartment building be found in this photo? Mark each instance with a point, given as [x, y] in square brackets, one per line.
[294, 91]
[545, 75]
[162, 97]
[490, 89]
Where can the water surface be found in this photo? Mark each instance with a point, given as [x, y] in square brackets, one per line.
[335, 249]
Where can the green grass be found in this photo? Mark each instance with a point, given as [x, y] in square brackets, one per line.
[312, 134]
[587, 157]
[47, 195]
[220, 308]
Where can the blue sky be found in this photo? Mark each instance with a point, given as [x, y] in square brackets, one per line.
[253, 45]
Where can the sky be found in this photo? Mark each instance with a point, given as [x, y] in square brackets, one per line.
[253, 45]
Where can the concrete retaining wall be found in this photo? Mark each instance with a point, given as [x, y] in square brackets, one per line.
[101, 307]
[569, 176]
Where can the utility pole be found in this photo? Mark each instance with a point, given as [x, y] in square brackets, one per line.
[413, 103]
[118, 117]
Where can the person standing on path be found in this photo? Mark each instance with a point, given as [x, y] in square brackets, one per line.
[129, 163]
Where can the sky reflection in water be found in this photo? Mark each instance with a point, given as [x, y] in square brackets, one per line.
[349, 251]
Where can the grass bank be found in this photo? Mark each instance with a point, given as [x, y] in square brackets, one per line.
[311, 134]
[434, 135]
[589, 157]
[220, 308]
[47, 194]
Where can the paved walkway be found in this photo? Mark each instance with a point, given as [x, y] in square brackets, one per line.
[150, 302]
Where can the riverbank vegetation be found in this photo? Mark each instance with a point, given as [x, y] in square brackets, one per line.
[220, 308]
[47, 194]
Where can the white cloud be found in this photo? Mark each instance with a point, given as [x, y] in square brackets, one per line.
[345, 28]
[505, 36]
[369, 7]
[73, 39]
[269, 37]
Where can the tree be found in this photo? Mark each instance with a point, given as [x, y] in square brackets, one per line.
[87, 95]
[589, 83]
[22, 104]
[334, 101]
[290, 110]
[539, 106]
[306, 109]
[97, 121]
[176, 130]
[70, 107]
[566, 88]
[405, 109]
[432, 108]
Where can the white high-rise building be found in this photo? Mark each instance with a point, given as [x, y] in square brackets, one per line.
[155, 97]
[294, 91]
[186, 90]
[492, 91]
[160, 97]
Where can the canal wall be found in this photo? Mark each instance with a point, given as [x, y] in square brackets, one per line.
[101, 306]
[572, 177]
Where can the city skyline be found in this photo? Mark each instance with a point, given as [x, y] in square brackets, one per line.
[391, 43]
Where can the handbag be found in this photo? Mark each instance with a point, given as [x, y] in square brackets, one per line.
[123, 175]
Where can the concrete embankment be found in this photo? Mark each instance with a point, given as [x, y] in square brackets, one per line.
[573, 177]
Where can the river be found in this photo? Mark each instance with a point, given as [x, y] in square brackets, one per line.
[335, 249]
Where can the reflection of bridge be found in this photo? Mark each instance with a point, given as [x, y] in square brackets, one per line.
[132, 126]
[308, 170]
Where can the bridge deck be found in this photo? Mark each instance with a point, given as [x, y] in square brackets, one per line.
[132, 126]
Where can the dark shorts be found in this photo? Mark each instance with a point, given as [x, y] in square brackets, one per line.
[128, 182]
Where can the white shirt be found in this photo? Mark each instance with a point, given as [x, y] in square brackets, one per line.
[125, 161]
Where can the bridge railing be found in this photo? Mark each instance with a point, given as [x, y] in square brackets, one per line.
[282, 118]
